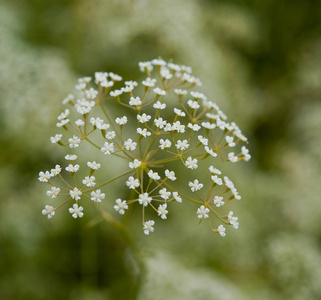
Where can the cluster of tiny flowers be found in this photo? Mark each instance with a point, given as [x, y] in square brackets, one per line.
[194, 130]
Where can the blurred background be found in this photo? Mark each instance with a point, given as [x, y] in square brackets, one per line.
[258, 60]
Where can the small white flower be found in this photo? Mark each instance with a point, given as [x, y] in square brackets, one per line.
[150, 82]
[63, 123]
[144, 199]
[165, 73]
[202, 212]
[135, 164]
[195, 186]
[160, 123]
[64, 115]
[135, 101]
[165, 144]
[162, 212]
[245, 153]
[68, 99]
[110, 135]
[180, 92]
[93, 165]
[159, 91]
[177, 197]
[72, 168]
[179, 112]
[127, 89]
[194, 127]
[97, 122]
[191, 163]
[130, 145]
[158, 62]
[214, 170]
[145, 66]
[143, 118]
[232, 157]
[132, 182]
[221, 230]
[144, 132]
[53, 193]
[182, 145]
[115, 77]
[131, 83]
[168, 127]
[91, 93]
[153, 175]
[48, 211]
[55, 171]
[120, 206]
[208, 125]
[108, 148]
[97, 196]
[55, 139]
[193, 104]
[198, 95]
[178, 127]
[218, 201]
[76, 211]
[233, 220]
[210, 151]
[89, 181]
[229, 141]
[203, 140]
[74, 142]
[100, 77]
[71, 157]
[75, 193]
[159, 105]
[148, 227]
[121, 121]
[164, 194]
[170, 175]
[116, 93]
[217, 180]
[80, 122]
[107, 83]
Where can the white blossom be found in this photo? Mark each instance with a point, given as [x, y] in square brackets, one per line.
[76, 211]
[160, 123]
[110, 135]
[74, 142]
[182, 145]
[75, 193]
[120, 206]
[93, 165]
[245, 153]
[193, 104]
[108, 148]
[162, 212]
[135, 101]
[72, 168]
[159, 105]
[150, 82]
[214, 170]
[202, 212]
[53, 193]
[218, 201]
[164, 194]
[130, 145]
[221, 230]
[121, 121]
[194, 127]
[195, 186]
[179, 112]
[159, 91]
[170, 175]
[80, 123]
[153, 175]
[55, 171]
[210, 151]
[191, 163]
[232, 157]
[97, 196]
[144, 132]
[48, 211]
[89, 181]
[148, 227]
[217, 179]
[135, 164]
[203, 140]
[71, 157]
[143, 118]
[55, 139]
[165, 144]
[177, 197]
[132, 182]
[144, 199]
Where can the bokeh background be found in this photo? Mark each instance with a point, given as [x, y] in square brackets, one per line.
[259, 60]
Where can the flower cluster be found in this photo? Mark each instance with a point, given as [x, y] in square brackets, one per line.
[194, 130]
